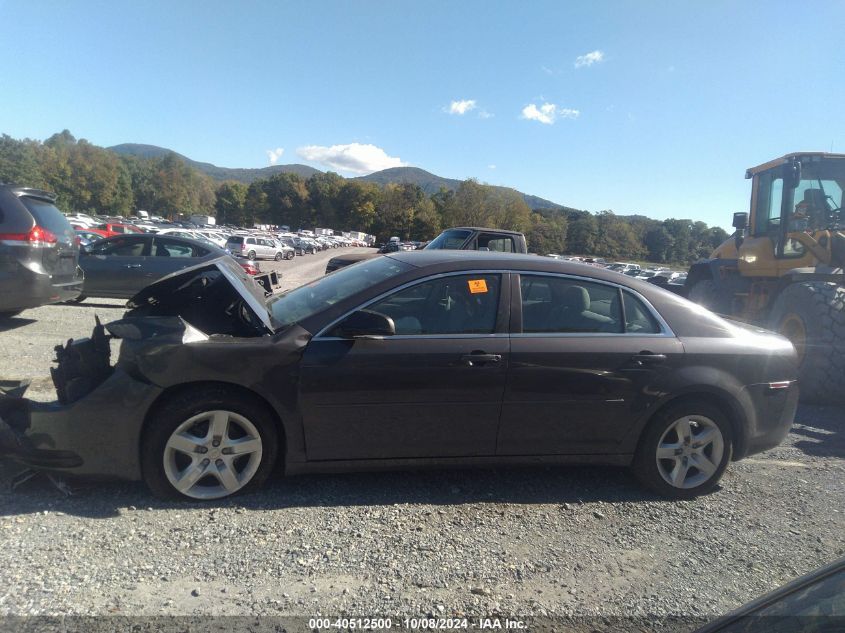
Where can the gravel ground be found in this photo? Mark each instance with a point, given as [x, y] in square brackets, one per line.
[533, 541]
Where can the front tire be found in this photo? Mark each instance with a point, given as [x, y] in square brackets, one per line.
[289, 255]
[684, 450]
[208, 443]
[812, 316]
[279, 256]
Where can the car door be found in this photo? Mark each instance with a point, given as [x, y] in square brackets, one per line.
[268, 249]
[115, 267]
[586, 359]
[432, 390]
[169, 255]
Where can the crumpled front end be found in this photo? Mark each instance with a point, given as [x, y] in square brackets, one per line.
[186, 322]
[96, 435]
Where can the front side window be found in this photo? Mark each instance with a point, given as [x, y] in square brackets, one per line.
[566, 305]
[769, 199]
[455, 304]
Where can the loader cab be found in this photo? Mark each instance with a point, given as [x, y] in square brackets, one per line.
[796, 194]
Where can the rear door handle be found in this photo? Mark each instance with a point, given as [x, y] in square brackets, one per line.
[647, 358]
[132, 265]
[477, 359]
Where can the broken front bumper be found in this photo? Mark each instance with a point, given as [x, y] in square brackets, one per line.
[98, 435]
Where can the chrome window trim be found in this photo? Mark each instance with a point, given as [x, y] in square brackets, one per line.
[364, 305]
[666, 331]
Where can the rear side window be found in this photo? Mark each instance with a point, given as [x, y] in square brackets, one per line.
[638, 318]
[163, 247]
[563, 305]
[47, 216]
[496, 243]
[120, 247]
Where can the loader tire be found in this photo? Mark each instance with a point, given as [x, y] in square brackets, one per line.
[812, 316]
[706, 293]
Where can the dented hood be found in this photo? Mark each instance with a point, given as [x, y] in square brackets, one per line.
[165, 288]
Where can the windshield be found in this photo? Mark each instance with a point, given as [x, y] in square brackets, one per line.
[818, 197]
[299, 303]
[449, 240]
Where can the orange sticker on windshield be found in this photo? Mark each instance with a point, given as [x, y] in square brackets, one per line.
[477, 285]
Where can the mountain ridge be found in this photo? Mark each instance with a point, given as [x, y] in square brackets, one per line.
[430, 183]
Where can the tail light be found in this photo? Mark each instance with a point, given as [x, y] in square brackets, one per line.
[37, 236]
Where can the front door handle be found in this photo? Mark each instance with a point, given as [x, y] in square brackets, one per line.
[647, 358]
[477, 359]
[132, 265]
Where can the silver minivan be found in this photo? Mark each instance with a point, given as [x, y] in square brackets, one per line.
[254, 247]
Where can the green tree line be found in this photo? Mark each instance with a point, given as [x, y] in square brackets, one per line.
[91, 179]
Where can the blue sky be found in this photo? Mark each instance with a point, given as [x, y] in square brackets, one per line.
[639, 107]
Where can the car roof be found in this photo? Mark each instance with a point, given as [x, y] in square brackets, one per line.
[482, 228]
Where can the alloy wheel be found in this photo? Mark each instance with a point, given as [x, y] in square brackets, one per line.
[689, 451]
[212, 455]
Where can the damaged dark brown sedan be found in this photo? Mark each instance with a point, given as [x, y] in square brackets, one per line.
[417, 358]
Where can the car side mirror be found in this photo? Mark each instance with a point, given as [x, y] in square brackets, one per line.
[365, 323]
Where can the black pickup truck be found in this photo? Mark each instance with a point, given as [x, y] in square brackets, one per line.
[461, 238]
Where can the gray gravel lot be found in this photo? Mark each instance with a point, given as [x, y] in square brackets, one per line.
[585, 541]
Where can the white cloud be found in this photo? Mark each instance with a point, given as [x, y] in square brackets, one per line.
[354, 157]
[275, 154]
[589, 59]
[548, 113]
[461, 107]
[483, 114]
[491, 167]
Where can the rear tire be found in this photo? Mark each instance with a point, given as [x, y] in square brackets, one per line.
[171, 423]
[279, 257]
[812, 316]
[708, 442]
[705, 293]
[251, 255]
[289, 255]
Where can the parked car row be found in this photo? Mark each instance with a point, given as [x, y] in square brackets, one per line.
[660, 275]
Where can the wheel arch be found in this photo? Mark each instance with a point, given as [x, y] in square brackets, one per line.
[729, 406]
[175, 391]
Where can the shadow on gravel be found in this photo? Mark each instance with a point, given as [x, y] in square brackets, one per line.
[821, 429]
[11, 323]
[513, 485]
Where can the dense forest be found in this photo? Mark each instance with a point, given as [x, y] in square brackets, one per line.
[91, 179]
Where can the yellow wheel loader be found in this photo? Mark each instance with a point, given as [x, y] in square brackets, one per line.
[783, 267]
